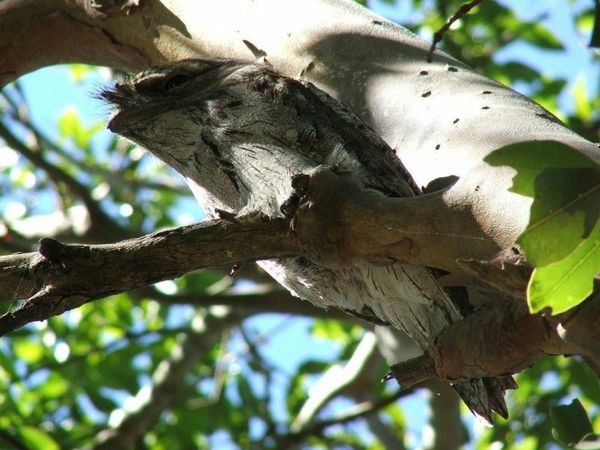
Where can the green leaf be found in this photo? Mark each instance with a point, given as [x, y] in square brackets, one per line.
[70, 126]
[562, 239]
[79, 71]
[565, 186]
[570, 423]
[540, 36]
[28, 350]
[566, 283]
[34, 438]
[583, 106]
[54, 387]
[518, 71]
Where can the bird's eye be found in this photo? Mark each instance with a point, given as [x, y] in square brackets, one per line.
[176, 81]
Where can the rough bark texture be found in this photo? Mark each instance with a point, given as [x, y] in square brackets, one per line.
[61, 277]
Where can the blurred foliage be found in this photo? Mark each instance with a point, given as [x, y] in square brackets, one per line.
[67, 382]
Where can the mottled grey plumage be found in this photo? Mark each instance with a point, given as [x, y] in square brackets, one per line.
[238, 132]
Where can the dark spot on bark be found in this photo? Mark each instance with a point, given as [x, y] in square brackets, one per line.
[377, 22]
[426, 94]
[486, 92]
[455, 120]
[437, 147]
[452, 69]
[477, 188]
[310, 66]
[257, 52]
[485, 107]
[423, 72]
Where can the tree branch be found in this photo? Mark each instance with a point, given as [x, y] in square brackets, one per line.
[355, 412]
[339, 220]
[445, 417]
[439, 34]
[62, 277]
[99, 219]
[169, 378]
[37, 34]
[503, 340]
[496, 341]
[334, 381]
[274, 301]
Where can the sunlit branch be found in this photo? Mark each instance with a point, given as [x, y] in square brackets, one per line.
[334, 381]
[355, 412]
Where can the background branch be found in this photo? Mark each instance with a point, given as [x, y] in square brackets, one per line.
[274, 300]
[168, 382]
[101, 223]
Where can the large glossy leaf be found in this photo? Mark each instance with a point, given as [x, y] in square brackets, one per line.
[564, 284]
[562, 237]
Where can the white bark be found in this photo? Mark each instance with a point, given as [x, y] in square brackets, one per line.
[377, 68]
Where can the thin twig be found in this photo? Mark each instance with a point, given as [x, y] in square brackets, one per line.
[99, 218]
[168, 381]
[355, 412]
[439, 34]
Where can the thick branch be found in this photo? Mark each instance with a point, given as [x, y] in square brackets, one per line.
[504, 340]
[340, 220]
[36, 34]
[62, 277]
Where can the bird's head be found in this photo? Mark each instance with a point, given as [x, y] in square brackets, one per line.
[165, 109]
[220, 123]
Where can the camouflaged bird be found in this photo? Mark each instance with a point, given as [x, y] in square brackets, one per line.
[238, 132]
